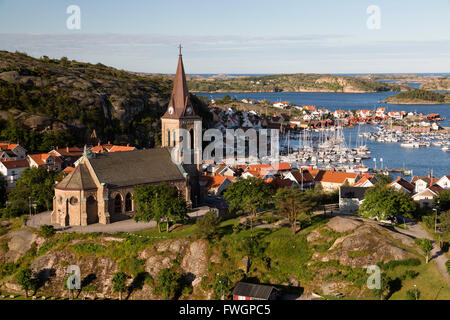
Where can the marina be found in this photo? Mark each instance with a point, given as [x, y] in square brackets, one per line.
[362, 148]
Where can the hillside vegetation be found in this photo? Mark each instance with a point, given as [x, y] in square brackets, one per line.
[47, 102]
[293, 83]
[419, 96]
[326, 257]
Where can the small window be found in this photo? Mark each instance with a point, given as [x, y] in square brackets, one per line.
[73, 201]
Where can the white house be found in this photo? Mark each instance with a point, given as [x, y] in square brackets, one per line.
[12, 169]
[444, 182]
[12, 151]
[425, 198]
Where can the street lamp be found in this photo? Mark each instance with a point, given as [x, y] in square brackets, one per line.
[415, 291]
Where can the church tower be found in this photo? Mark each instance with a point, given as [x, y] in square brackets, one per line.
[180, 114]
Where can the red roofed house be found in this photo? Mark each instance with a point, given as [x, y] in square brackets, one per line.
[425, 198]
[12, 151]
[121, 148]
[366, 181]
[332, 180]
[68, 154]
[49, 160]
[215, 185]
[365, 113]
[302, 178]
[380, 112]
[402, 185]
[12, 169]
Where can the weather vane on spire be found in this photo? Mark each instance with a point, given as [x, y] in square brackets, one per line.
[180, 47]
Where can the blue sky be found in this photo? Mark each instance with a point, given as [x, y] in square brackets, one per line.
[247, 36]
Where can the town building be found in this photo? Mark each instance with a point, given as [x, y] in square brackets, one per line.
[12, 169]
[426, 197]
[252, 291]
[401, 184]
[12, 151]
[101, 187]
[69, 155]
[48, 160]
[350, 199]
[332, 180]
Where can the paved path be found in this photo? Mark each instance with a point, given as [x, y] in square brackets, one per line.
[128, 225]
[415, 230]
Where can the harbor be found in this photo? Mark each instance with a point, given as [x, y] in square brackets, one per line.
[375, 148]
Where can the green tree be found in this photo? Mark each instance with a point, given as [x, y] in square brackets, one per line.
[25, 280]
[169, 283]
[426, 245]
[119, 281]
[444, 200]
[413, 294]
[3, 194]
[160, 202]
[249, 196]
[293, 204]
[385, 286]
[47, 231]
[208, 226]
[444, 221]
[382, 202]
[222, 286]
[383, 179]
[37, 184]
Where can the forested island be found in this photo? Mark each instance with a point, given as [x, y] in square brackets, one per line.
[299, 82]
[419, 96]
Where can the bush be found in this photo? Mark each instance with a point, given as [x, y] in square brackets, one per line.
[132, 265]
[428, 221]
[395, 263]
[409, 274]
[169, 283]
[87, 248]
[447, 264]
[47, 231]
[208, 226]
[411, 294]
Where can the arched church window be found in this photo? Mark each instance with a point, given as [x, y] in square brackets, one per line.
[191, 133]
[168, 138]
[128, 203]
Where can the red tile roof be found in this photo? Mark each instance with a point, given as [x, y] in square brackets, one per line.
[334, 176]
[13, 164]
[402, 182]
[39, 158]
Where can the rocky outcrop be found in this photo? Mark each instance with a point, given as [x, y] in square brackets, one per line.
[51, 269]
[365, 245]
[340, 224]
[19, 242]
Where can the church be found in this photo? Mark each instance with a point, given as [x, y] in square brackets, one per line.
[100, 189]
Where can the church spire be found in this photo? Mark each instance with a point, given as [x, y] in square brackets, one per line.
[180, 105]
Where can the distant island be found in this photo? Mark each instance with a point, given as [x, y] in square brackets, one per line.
[424, 81]
[299, 82]
[419, 96]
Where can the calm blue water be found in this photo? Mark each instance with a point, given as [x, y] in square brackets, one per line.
[422, 160]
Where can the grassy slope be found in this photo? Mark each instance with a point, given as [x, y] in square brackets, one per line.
[288, 256]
